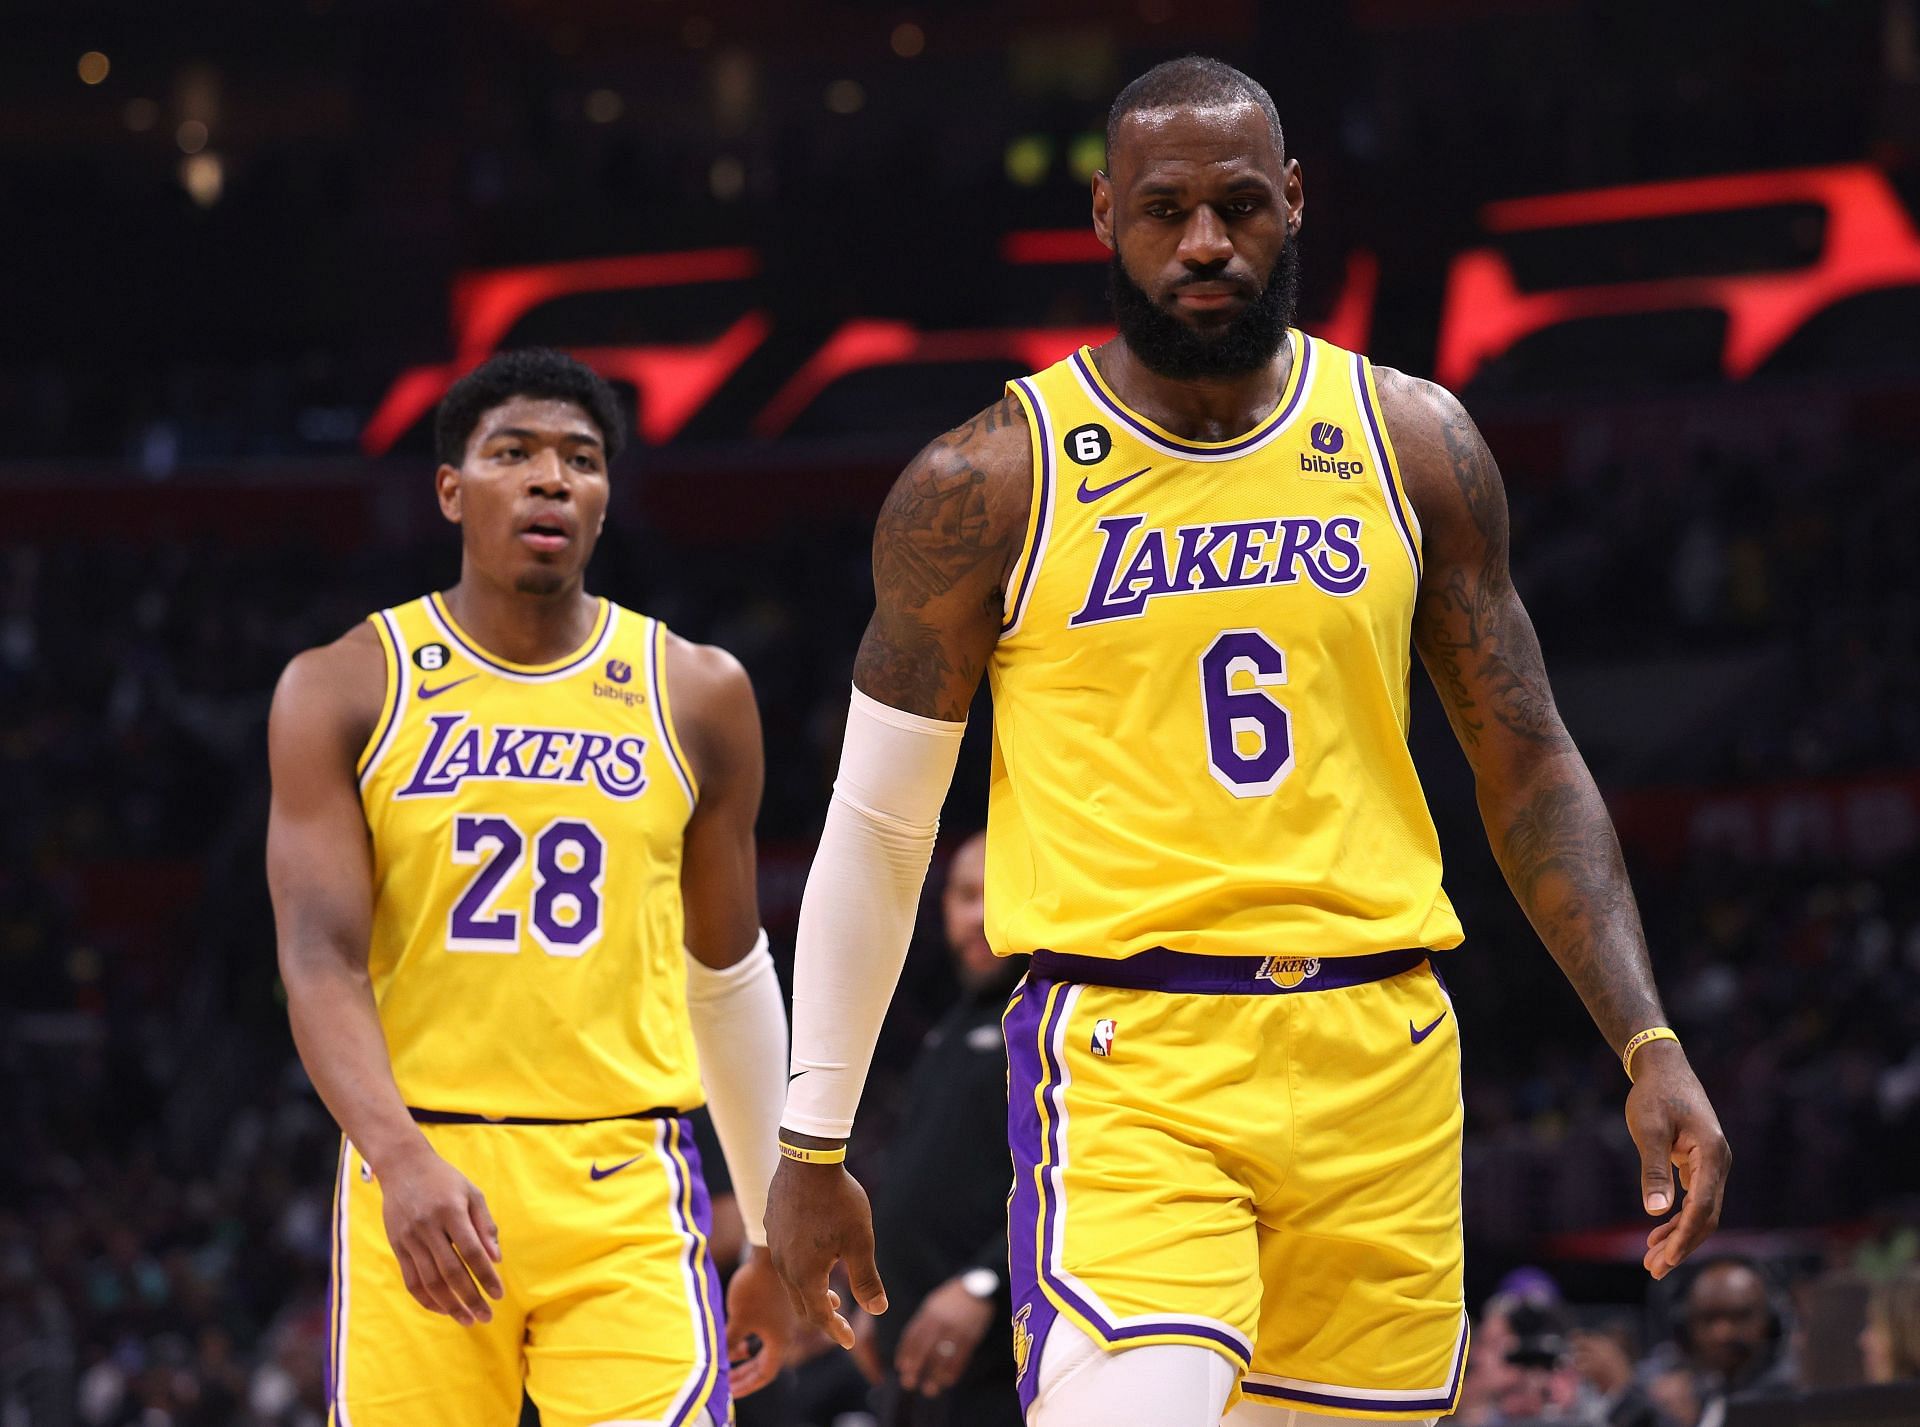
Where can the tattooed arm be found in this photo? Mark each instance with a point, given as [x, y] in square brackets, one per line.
[1544, 817]
[947, 537]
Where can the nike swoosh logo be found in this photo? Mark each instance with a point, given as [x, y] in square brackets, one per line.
[1089, 495]
[1428, 1030]
[424, 692]
[596, 1173]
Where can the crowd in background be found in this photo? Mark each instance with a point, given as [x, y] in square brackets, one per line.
[162, 1244]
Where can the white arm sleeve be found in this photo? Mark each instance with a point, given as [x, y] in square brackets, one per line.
[856, 917]
[740, 1032]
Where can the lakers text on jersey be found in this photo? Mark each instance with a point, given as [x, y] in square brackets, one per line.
[1200, 694]
[1234, 1103]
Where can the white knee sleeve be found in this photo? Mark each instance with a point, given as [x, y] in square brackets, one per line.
[1160, 1385]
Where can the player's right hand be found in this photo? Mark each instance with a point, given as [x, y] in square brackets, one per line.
[817, 1216]
[442, 1235]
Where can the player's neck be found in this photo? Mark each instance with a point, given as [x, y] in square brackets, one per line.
[1196, 408]
[520, 627]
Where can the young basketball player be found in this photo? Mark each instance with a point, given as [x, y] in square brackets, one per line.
[512, 862]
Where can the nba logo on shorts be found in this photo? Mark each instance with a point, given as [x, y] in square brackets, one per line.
[1103, 1031]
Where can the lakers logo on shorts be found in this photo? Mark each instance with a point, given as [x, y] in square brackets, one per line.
[1022, 1341]
[1286, 972]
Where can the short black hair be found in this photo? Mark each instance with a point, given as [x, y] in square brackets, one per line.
[528, 371]
[1192, 82]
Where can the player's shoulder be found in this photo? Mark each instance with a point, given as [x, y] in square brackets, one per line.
[1433, 436]
[704, 674]
[335, 689]
[971, 486]
[715, 715]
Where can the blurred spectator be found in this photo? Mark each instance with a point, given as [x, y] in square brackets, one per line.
[1730, 1336]
[1890, 1343]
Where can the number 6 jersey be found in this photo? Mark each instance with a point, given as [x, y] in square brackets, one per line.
[526, 826]
[1200, 692]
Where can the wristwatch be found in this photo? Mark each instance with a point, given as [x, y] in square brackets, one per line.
[980, 1282]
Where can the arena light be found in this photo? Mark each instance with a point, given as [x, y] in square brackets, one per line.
[1870, 243]
[94, 67]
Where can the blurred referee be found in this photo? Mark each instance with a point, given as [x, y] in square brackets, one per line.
[944, 1355]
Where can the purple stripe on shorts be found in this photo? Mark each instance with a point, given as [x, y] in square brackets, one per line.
[694, 1214]
[1443, 1402]
[1022, 1025]
[703, 1221]
[336, 1300]
[1159, 969]
[1031, 1027]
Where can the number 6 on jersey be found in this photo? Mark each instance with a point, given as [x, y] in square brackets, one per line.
[1235, 672]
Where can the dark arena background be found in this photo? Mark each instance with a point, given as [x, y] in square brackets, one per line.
[1668, 254]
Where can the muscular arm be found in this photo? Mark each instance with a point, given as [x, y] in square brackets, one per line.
[733, 995]
[1549, 829]
[947, 537]
[320, 872]
[719, 726]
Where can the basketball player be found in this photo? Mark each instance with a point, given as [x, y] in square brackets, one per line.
[499, 813]
[1190, 565]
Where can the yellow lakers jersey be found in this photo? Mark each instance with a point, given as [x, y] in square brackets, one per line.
[526, 827]
[1200, 690]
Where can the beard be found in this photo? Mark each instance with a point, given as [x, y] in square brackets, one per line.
[1171, 348]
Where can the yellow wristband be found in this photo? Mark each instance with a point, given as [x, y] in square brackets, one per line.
[1646, 1037]
[803, 1155]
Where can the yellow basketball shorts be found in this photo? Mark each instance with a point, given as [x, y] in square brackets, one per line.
[1260, 1156]
[612, 1311]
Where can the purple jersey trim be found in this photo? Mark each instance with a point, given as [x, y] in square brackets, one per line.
[1365, 390]
[656, 657]
[393, 653]
[1045, 497]
[444, 619]
[1259, 436]
[1159, 969]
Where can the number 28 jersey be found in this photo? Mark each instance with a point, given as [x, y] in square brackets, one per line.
[527, 826]
[1200, 690]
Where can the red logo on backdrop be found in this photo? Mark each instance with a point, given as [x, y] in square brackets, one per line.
[1870, 243]
[674, 381]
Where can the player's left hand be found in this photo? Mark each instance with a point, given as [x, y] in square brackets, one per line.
[940, 1339]
[1675, 1129]
[757, 1307]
